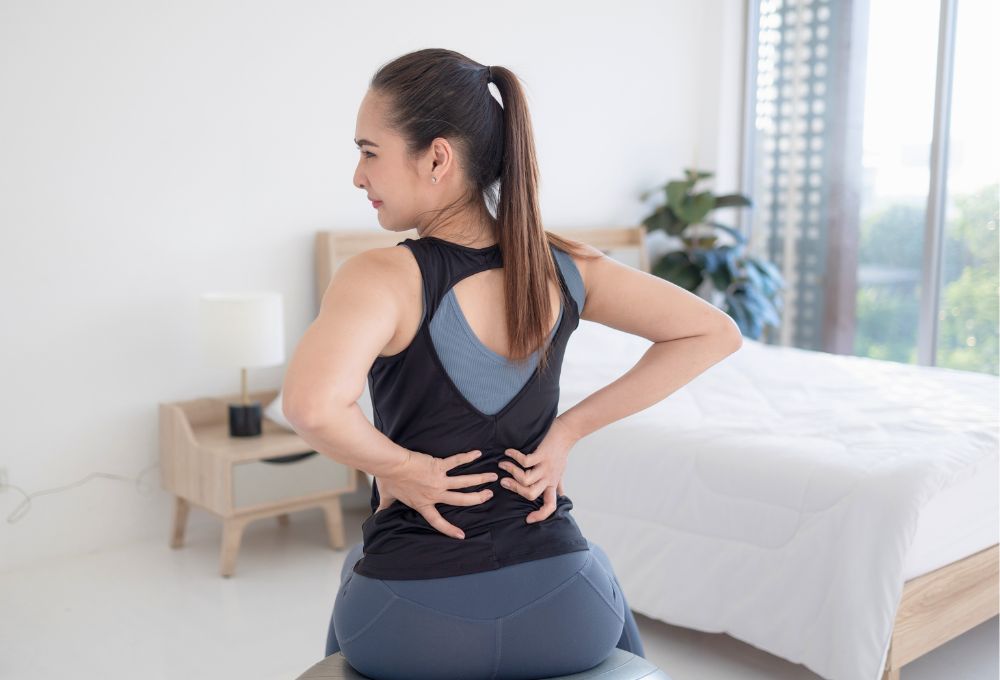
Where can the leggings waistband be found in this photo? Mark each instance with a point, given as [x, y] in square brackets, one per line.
[475, 595]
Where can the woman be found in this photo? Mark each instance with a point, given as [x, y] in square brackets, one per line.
[497, 582]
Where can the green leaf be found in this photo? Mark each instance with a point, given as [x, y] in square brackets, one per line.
[739, 313]
[660, 219]
[693, 175]
[732, 201]
[769, 270]
[704, 203]
[740, 238]
[676, 193]
[678, 269]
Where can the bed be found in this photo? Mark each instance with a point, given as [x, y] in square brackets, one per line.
[836, 511]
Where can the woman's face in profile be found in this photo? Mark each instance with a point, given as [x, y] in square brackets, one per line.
[384, 172]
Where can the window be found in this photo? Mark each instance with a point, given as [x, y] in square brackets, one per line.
[872, 160]
[968, 304]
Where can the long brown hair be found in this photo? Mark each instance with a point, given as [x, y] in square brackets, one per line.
[441, 93]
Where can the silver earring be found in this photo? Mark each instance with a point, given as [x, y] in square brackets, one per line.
[434, 179]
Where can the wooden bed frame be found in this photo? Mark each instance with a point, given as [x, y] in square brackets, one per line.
[934, 608]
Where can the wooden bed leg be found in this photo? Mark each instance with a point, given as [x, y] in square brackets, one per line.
[891, 671]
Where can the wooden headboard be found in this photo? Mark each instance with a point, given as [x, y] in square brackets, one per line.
[334, 246]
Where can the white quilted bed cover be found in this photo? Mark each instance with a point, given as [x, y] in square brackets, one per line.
[774, 498]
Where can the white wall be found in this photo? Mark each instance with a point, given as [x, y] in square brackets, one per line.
[150, 151]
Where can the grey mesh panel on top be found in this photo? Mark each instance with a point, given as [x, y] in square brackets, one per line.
[487, 379]
[572, 275]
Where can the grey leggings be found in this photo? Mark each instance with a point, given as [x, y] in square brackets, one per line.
[548, 617]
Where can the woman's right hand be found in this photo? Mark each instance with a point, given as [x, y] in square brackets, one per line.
[422, 481]
[541, 471]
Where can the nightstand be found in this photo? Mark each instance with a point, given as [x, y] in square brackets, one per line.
[201, 465]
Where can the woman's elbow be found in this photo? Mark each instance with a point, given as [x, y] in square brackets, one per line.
[729, 333]
[297, 406]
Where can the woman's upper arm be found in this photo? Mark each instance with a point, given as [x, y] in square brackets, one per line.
[640, 303]
[357, 319]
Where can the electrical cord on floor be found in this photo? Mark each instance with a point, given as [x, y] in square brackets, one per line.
[17, 514]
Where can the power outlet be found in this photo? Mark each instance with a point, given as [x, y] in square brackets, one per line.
[3, 479]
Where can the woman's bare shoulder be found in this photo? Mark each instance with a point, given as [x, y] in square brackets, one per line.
[395, 261]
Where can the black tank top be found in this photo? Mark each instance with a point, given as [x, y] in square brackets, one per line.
[416, 405]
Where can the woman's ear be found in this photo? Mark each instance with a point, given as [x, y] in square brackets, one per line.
[442, 158]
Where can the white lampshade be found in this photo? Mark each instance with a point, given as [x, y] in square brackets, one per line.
[243, 329]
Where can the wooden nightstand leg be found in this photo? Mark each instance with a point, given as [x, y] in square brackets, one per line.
[334, 523]
[232, 534]
[283, 519]
[181, 508]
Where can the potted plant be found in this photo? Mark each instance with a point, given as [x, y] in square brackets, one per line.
[745, 287]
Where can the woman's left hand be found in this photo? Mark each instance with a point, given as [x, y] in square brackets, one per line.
[541, 471]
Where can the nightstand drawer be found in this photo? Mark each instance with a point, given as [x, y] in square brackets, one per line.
[259, 483]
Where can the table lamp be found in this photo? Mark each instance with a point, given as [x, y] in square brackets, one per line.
[243, 329]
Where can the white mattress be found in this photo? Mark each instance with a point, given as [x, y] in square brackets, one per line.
[784, 496]
[960, 520]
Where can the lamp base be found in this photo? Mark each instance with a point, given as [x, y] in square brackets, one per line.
[245, 420]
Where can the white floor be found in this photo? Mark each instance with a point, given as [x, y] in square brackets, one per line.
[146, 611]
